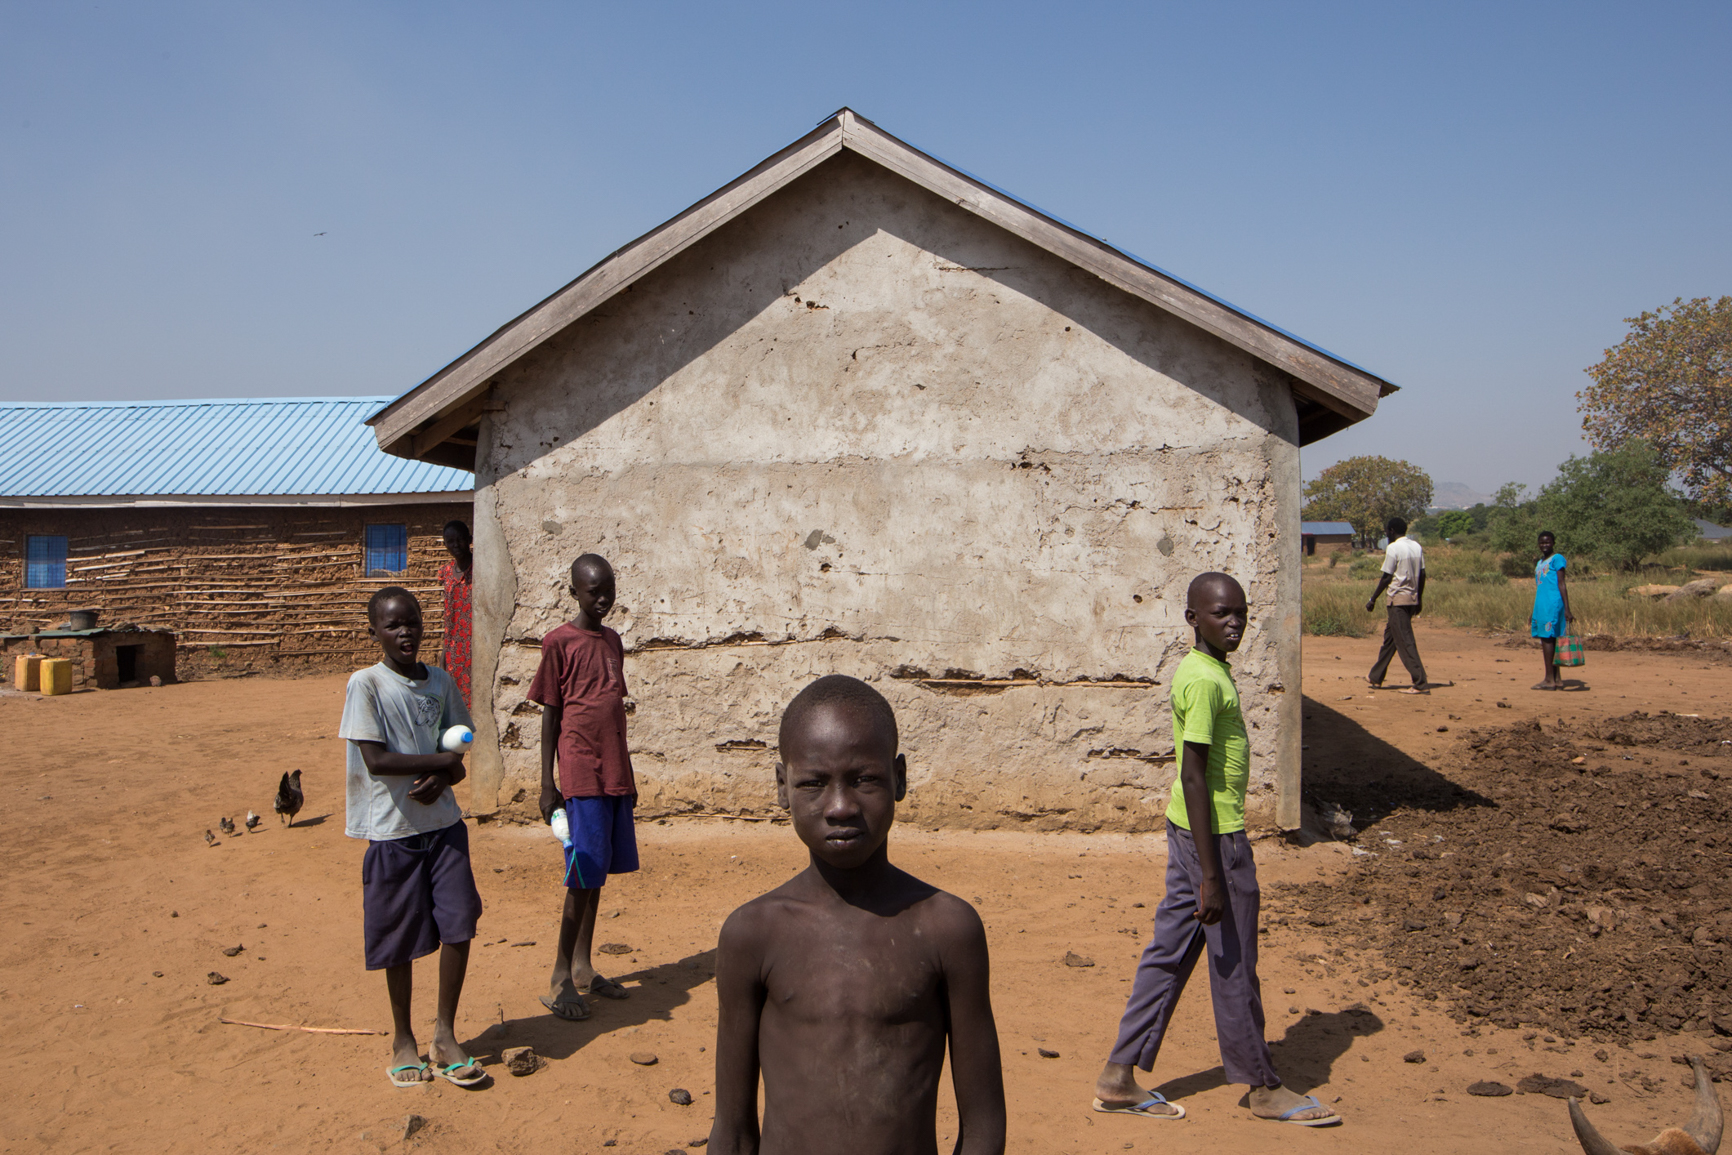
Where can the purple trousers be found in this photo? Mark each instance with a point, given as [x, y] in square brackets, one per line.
[1179, 940]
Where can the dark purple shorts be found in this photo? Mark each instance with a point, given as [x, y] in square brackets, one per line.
[416, 893]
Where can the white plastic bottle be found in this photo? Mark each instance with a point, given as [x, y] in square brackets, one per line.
[457, 740]
[561, 826]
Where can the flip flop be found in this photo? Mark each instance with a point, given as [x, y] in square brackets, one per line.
[607, 988]
[1309, 1103]
[570, 1012]
[1155, 1099]
[1412, 690]
[449, 1071]
[419, 1069]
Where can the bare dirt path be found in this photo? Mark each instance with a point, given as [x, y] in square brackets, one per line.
[117, 912]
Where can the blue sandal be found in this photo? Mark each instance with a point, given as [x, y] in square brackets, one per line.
[1309, 1103]
[1155, 1099]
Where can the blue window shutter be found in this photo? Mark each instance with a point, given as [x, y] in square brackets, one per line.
[45, 562]
[387, 549]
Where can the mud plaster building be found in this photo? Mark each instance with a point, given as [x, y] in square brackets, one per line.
[860, 412]
[255, 530]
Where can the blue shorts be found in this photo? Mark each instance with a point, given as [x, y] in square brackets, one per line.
[416, 893]
[603, 840]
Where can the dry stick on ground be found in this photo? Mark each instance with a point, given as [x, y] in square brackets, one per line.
[293, 1027]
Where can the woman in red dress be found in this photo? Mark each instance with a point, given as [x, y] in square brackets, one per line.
[458, 578]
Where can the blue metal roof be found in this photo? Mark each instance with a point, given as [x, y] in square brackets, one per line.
[253, 447]
[1325, 527]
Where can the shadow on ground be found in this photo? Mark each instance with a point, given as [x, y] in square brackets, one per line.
[661, 990]
[1348, 766]
[1304, 1056]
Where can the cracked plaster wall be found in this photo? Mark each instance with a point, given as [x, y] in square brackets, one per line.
[860, 430]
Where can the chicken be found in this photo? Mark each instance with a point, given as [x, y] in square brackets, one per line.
[209, 839]
[226, 825]
[253, 821]
[289, 798]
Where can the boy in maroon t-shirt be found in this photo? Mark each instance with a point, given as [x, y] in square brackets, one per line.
[580, 685]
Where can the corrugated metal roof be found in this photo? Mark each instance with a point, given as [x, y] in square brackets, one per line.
[1325, 527]
[254, 447]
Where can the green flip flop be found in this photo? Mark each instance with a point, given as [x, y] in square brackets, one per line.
[419, 1069]
[449, 1071]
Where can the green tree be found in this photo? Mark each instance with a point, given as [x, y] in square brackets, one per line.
[1617, 506]
[1454, 523]
[1669, 382]
[1366, 492]
[1513, 521]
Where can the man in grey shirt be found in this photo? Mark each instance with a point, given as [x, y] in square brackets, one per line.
[1404, 577]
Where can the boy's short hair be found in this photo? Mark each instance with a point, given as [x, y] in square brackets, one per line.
[459, 526]
[849, 693]
[386, 594]
[1547, 533]
[590, 561]
[1396, 528]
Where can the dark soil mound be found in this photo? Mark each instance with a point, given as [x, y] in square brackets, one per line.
[1577, 880]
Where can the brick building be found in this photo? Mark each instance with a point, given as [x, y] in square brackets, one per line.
[254, 530]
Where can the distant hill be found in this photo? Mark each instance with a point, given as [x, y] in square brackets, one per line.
[1455, 495]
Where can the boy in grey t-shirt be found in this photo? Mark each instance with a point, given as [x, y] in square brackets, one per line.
[417, 890]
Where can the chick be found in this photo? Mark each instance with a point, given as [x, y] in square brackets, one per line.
[289, 798]
[226, 825]
[253, 821]
[209, 839]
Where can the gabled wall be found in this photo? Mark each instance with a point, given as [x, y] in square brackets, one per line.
[860, 430]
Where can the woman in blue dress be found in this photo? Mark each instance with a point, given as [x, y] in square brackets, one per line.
[1552, 616]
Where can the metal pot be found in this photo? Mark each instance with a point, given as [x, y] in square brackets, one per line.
[82, 620]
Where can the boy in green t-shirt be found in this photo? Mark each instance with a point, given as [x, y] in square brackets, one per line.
[1212, 896]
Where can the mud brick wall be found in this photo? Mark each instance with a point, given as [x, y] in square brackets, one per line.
[242, 588]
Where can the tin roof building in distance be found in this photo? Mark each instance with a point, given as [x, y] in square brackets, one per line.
[255, 529]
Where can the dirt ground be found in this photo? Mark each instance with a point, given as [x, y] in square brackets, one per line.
[1588, 897]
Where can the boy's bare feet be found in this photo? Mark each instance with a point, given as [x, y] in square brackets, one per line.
[406, 1055]
[564, 1000]
[1276, 1102]
[449, 1061]
[1117, 1087]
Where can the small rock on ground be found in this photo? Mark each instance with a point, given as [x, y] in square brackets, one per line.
[215, 979]
[680, 1096]
[1073, 959]
[1413, 1057]
[412, 1124]
[614, 948]
[643, 1058]
[1046, 1054]
[1537, 1084]
[1488, 1089]
[522, 1060]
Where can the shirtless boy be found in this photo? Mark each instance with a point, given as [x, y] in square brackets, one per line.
[843, 985]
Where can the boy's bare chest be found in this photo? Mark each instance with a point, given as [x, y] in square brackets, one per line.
[889, 973]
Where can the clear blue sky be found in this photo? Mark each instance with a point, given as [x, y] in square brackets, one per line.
[1466, 200]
